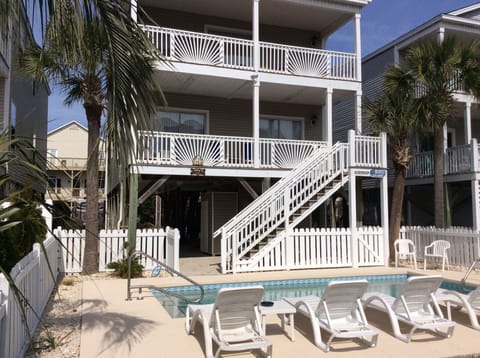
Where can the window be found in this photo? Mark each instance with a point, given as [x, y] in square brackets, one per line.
[180, 122]
[426, 140]
[281, 128]
[55, 184]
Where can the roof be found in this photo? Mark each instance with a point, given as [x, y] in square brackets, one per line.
[66, 125]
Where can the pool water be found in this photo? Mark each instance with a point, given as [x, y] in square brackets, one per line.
[276, 290]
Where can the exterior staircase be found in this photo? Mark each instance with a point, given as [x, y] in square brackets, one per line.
[252, 233]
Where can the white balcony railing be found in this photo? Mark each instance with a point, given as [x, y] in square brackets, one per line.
[457, 160]
[177, 149]
[228, 52]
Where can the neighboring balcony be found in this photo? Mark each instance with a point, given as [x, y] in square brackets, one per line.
[233, 53]
[457, 160]
[68, 163]
[175, 149]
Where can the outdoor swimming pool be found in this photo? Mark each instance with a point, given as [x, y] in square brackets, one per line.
[276, 290]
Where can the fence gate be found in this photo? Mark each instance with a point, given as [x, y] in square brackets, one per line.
[370, 246]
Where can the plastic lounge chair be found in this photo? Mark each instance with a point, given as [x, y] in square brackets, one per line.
[233, 322]
[439, 249]
[339, 312]
[405, 248]
[469, 302]
[416, 306]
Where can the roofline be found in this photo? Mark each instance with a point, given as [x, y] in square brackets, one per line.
[464, 10]
[66, 125]
[430, 23]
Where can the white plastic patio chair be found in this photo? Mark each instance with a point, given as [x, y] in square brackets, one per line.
[437, 249]
[339, 312]
[405, 248]
[233, 322]
[470, 302]
[416, 306]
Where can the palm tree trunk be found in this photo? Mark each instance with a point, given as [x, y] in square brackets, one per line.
[439, 198]
[397, 206]
[90, 263]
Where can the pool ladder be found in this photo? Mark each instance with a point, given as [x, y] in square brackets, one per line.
[470, 269]
[171, 270]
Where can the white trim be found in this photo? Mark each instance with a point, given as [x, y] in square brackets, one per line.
[189, 110]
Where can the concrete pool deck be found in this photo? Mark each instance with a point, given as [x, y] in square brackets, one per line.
[114, 327]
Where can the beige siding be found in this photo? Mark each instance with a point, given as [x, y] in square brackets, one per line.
[70, 141]
[234, 117]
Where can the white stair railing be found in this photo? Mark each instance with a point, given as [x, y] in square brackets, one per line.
[279, 203]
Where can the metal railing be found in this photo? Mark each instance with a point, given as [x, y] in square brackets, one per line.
[163, 290]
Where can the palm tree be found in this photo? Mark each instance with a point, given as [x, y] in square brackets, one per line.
[394, 113]
[440, 67]
[103, 60]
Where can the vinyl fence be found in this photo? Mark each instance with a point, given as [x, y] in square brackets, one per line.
[35, 276]
[465, 242]
[161, 244]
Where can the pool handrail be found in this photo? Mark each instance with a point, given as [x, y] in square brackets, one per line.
[470, 269]
[169, 269]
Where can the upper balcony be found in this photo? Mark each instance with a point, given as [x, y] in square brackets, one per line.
[234, 53]
[69, 163]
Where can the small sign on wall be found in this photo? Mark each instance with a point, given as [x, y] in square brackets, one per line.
[372, 173]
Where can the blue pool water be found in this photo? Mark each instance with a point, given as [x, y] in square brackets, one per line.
[276, 290]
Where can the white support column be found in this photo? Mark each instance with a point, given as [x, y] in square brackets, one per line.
[133, 10]
[445, 137]
[384, 199]
[255, 35]
[358, 112]
[467, 118]
[256, 121]
[358, 46]
[256, 83]
[327, 117]
[475, 203]
[352, 200]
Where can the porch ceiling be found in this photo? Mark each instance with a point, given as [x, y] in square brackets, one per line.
[324, 17]
[230, 88]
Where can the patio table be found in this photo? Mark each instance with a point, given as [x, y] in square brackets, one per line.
[281, 309]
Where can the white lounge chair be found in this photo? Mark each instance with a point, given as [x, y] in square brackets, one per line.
[416, 306]
[339, 312]
[233, 321]
[470, 302]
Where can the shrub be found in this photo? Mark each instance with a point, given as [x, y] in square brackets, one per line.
[121, 268]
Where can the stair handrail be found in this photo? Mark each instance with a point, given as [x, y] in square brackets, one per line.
[169, 269]
[286, 179]
[470, 269]
[269, 198]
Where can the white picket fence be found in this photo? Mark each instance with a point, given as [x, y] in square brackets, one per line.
[465, 242]
[162, 245]
[322, 248]
[35, 277]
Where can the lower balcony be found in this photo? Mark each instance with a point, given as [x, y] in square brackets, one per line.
[186, 150]
[463, 159]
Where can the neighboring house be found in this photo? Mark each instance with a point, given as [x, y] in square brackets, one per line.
[23, 106]
[67, 156]
[462, 166]
[250, 90]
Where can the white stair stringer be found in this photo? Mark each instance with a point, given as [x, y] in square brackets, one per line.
[287, 202]
[251, 263]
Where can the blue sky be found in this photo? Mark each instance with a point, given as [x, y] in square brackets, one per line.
[382, 21]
